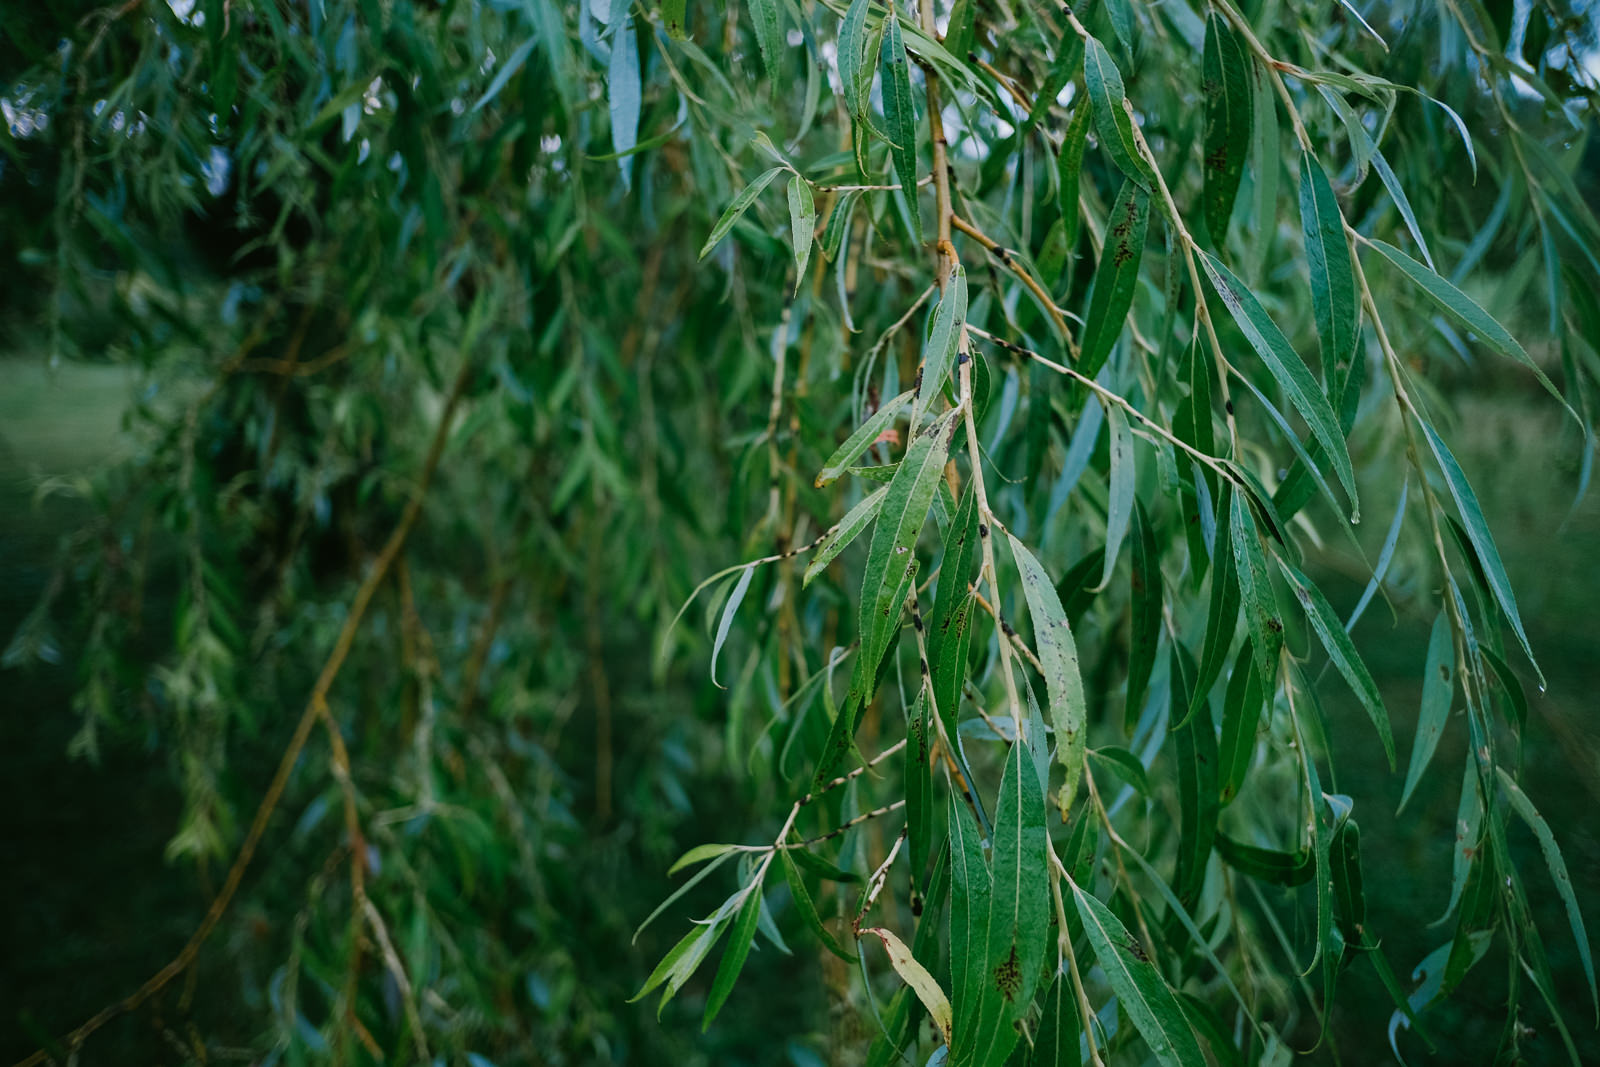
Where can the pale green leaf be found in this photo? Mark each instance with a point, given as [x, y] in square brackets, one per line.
[734, 600]
[1119, 510]
[802, 225]
[949, 323]
[736, 210]
[861, 440]
[698, 854]
[890, 559]
[855, 520]
[1058, 654]
[971, 888]
[917, 977]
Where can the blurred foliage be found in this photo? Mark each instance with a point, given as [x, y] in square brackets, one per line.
[441, 420]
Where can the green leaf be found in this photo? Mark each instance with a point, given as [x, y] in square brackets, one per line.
[769, 35]
[855, 520]
[507, 71]
[917, 977]
[919, 784]
[1119, 508]
[1469, 834]
[623, 89]
[736, 210]
[1558, 874]
[807, 860]
[1196, 751]
[1056, 1042]
[681, 961]
[1266, 161]
[808, 910]
[1069, 169]
[972, 887]
[1241, 713]
[1333, 284]
[1482, 541]
[861, 440]
[890, 560]
[802, 225]
[1073, 589]
[699, 877]
[1115, 126]
[1438, 685]
[1349, 894]
[1467, 313]
[1509, 685]
[1322, 844]
[699, 854]
[1124, 765]
[1286, 366]
[1268, 865]
[1058, 654]
[839, 223]
[1262, 617]
[958, 34]
[672, 14]
[1191, 423]
[949, 323]
[1222, 611]
[950, 626]
[1018, 920]
[1115, 276]
[1342, 651]
[734, 954]
[900, 115]
[1145, 599]
[1225, 84]
[855, 73]
[1139, 987]
[734, 600]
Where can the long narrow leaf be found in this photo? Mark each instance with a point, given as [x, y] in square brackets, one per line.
[861, 440]
[1058, 654]
[736, 210]
[1139, 987]
[1438, 686]
[1558, 874]
[1477, 528]
[1286, 366]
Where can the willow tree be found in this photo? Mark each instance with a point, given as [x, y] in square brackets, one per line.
[1043, 360]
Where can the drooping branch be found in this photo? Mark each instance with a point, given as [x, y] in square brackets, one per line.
[315, 709]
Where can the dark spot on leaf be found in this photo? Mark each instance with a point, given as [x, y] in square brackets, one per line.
[1008, 976]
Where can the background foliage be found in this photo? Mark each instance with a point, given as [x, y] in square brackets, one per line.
[439, 420]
